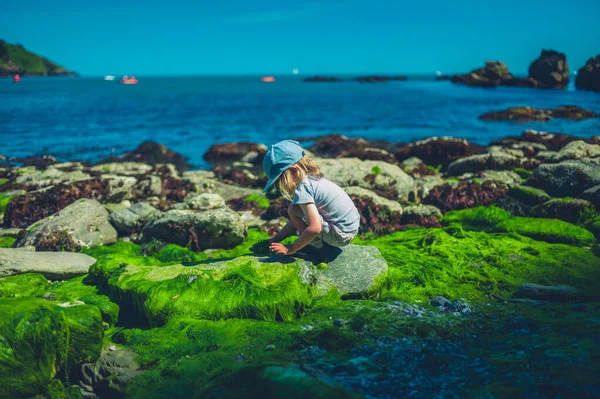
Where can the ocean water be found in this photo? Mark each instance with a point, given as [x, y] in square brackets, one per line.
[89, 118]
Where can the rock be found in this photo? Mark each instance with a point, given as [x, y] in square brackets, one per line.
[576, 211]
[52, 265]
[109, 375]
[495, 73]
[588, 77]
[577, 150]
[123, 168]
[415, 167]
[202, 202]
[214, 228]
[242, 176]
[81, 224]
[439, 301]
[206, 182]
[422, 215]
[225, 153]
[519, 200]
[119, 187]
[39, 162]
[322, 79]
[506, 177]
[49, 177]
[554, 293]
[148, 187]
[498, 159]
[567, 178]
[526, 114]
[338, 146]
[464, 195]
[151, 153]
[592, 195]
[379, 78]
[25, 210]
[385, 179]
[439, 150]
[550, 70]
[132, 219]
[377, 214]
[339, 323]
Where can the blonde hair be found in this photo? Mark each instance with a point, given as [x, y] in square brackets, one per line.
[289, 180]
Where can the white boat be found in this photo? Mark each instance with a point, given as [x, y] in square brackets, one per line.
[109, 77]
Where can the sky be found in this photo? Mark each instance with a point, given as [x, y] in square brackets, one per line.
[222, 37]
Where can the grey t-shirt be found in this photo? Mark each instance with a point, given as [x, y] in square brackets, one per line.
[332, 202]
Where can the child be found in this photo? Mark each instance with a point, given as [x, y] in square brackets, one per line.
[320, 209]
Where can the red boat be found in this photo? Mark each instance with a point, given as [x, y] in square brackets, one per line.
[16, 78]
[128, 80]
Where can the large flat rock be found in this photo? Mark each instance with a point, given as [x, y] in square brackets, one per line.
[52, 265]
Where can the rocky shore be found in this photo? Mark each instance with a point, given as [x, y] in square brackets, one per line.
[476, 273]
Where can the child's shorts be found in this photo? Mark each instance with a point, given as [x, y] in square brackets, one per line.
[332, 235]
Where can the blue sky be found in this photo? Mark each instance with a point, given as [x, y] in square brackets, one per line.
[154, 37]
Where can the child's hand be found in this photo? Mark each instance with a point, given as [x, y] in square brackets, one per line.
[281, 249]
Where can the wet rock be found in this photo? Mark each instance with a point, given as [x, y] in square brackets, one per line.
[519, 200]
[225, 153]
[151, 153]
[550, 70]
[109, 375]
[576, 211]
[553, 293]
[25, 210]
[52, 265]
[132, 219]
[438, 150]
[576, 150]
[464, 195]
[567, 178]
[588, 77]
[123, 168]
[496, 159]
[592, 195]
[377, 214]
[214, 228]
[81, 224]
[422, 215]
[385, 179]
[526, 114]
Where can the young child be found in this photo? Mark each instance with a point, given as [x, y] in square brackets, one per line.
[320, 209]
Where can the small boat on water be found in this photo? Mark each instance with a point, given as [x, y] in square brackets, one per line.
[109, 78]
[128, 80]
[16, 78]
[267, 79]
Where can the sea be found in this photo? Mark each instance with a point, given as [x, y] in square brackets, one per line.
[88, 118]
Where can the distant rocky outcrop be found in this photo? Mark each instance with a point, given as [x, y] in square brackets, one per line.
[14, 59]
[379, 78]
[322, 79]
[588, 77]
[526, 114]
[550, 70]
[494, 73]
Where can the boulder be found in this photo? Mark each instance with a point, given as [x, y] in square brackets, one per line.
[550, 70]
[132, 219]
[206, 182]
[123, 168]
[499, 159]
[494, 73]
[81, 224]
[377, 214]
[201, 202]
[576, 211]
[577, 150]
[151, 153]
[464, 195]
[554, 293]
[567, 178]
[225, 153]
[109, 375]
[519, 200]
[526, 114]
[383, 178]
[52, 265]
[245, 176]
[552, 141]
[422, 215]
[213, 228]
[588, 77]
[29, 176]
[338, 146]
[438, 150]
[119, 187]
[592, 195]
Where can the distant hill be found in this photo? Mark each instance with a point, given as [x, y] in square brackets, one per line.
[14, 59]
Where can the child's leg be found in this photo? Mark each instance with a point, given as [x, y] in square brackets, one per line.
[295, 213]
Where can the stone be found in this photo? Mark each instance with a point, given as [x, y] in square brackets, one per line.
[507, 177]
[553, 293]
[52, 265]
[49, 177]
[592, 195]
[213, 228]
[391, 206]
[436, 151]
[119, 187]
[151, 153]
[588, 77]
[224, 153]
[567, 178]
[550, 70]
[206, 182]
[526, 114]
[422, 215]
[519, 200]
[385, 179]
[202, 202]
[109, 375]
[377, 214]
[132, 219]
[576, 211]
[123, 168]
[147, 187]
[494, 73]
[576, 150]
[84, 223]
[339, 146]
[499, 159]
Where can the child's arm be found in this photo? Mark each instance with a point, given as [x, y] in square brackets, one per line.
[312, 230]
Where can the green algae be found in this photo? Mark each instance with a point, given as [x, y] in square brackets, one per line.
[40, 341]
[261, 201]
[23, 285]
[477, 217]
[3, 181]
[7, 242]
[56, 390]
[4, 200]
[523, 173]
[529, 195]
[593, 225]
[477, 265]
